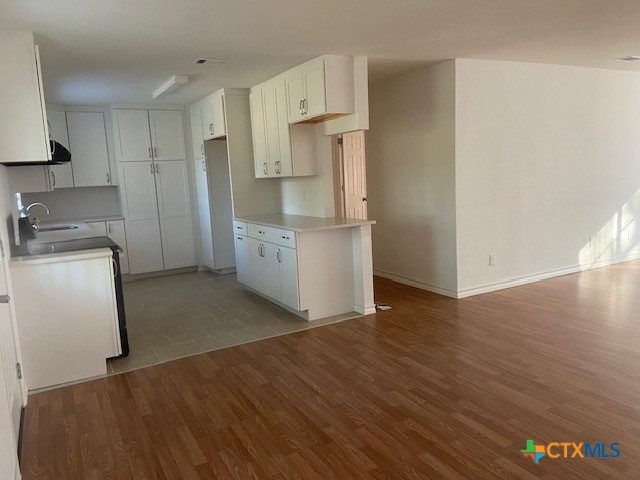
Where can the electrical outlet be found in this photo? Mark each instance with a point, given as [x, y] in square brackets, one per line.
[492, 259]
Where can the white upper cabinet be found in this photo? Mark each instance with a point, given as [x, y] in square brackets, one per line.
[196, 131]
[167, 134]
[24, 136]
[61, 175]
[320, 89]
[88, 146]
[213, 120]
[132, 136]
[279, 149]
[260, 160]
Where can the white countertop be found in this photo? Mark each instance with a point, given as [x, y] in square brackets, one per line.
[62, 256]
[302, 223]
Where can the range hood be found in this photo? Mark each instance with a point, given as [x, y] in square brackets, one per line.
[59, 155]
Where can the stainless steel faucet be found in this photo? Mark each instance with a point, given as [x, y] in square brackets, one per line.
[38, 203]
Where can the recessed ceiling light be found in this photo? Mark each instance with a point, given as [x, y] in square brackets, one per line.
[214, 62]
[628, 58]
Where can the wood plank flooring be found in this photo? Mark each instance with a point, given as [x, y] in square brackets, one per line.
[433, 388]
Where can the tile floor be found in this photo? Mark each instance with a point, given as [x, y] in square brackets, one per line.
[180, 315]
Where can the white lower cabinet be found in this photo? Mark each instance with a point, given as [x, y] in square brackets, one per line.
[98, 228]
[269, 268]
[158, 215]
[243, 259]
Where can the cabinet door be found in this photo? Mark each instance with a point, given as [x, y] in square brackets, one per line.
[271, 130]
[289, 277]
[172, 183]
[243, 259]
[219, 124]
[258, 265]
[294, 82]
[133, 140]
[206, 109]
[258, 134]
[141, 217]
[315, 92]
[167, 134]
[273, 285]
[61, 175]
[23, 134]
[88, 146]
[204, 212]
[117, 233]
[99, 229]
[196, 131]
[284, 132]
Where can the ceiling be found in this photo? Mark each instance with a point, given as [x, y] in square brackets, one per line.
[119, 51]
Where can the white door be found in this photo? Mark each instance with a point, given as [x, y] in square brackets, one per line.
[243, 259]
[206, 109]
[271, 129]
[117, 233]
[133, 140]
[315, 93]
[141, 216]
[219, 126]
[355, 176]
[258, 265]
[273, 285]
[172, 183]
[289, 277]
[258, 134]
[9, 354]
[61, 175]
[196, 131]
[284, 132]
[204, 212]
[295, 95]
[88, 145]
[167, 134]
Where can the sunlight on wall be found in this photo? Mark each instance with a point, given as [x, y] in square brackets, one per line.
[618, 237]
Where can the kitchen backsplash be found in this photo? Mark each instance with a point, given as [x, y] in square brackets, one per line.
[76, 203]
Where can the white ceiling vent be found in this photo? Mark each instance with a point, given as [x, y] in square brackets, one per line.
[628, 58]
[212, 62]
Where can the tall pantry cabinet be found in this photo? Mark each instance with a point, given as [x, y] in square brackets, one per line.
[154, 186]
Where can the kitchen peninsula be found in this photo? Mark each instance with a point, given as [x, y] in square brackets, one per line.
[315, 267]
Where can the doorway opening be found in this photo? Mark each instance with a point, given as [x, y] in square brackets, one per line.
[350, 175]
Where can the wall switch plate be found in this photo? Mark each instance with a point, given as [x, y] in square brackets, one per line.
[492, 259]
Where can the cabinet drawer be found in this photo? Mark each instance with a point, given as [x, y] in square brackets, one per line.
[279, 236]
[286, 238]
[260, 232]
[239, 228]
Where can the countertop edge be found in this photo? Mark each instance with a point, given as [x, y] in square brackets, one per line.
[61, 256]
[359, 223]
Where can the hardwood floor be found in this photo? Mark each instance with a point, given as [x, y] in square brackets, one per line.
[433, 388]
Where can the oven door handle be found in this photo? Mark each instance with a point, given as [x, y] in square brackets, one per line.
[115, 267]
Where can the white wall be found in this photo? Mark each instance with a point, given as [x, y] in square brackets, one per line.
[410, 177]
[68, 203]
[546, 157]
[313, 195]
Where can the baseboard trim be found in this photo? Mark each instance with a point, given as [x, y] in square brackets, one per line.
[526, 279]
[412, 282]
[162, 273]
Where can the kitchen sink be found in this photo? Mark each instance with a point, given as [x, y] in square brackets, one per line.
[58, 229]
